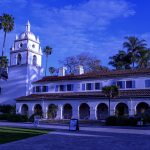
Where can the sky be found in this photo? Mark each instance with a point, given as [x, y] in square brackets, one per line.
[72, 27]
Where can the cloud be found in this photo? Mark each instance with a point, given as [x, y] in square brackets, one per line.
[72, 29]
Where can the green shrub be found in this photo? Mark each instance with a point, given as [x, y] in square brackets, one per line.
[14, 117]
[31, 119]
[133, 121]
[122, 121]
[6, 109]
[111, 121]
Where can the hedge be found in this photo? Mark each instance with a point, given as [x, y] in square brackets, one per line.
[14, 117]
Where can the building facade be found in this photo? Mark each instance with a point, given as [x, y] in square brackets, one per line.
[69, 96]
[25, 67]
[80, 95]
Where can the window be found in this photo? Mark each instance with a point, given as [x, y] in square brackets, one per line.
[83, 87]
[38, 89]
[147, 83]
[97, 86]
[130, 84]
[89, 86]
[33, 46]
[19, 58]
[121, 84]
[69, 87]
[33, 90]
[34, 60]
[45, 89]
[62, 88]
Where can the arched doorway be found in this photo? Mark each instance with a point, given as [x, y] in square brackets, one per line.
[52, 111]
[38, 110]
[84, 111]
[141, 108]
[122, 109]
[67, 111]
[19, 58]
[24, 109]
[102, 111]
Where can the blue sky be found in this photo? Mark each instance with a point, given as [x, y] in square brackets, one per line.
[71, 27]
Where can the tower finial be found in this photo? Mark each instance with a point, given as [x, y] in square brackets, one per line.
[28, 26]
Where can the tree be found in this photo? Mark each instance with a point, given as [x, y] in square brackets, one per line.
[110, 92]
[133, 46]
[47, 51]
[143, 58]
[3, 62]
[0, 22]
[120, 61]
[52, 70]
[90, 63]
[7, 24]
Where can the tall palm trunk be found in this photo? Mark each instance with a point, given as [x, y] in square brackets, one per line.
[46, 64]
[3, 44]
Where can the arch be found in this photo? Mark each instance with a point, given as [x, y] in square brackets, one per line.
[34, 60]
[84, 111]
[141, 108]
[52, 111]
[24, 109]
[67, 111]
[121, 109]
[102, 111]
[38, 110]
[19, 59]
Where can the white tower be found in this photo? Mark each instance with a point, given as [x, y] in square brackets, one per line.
[25, 66]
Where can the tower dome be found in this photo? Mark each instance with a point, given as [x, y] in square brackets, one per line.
[27, 34]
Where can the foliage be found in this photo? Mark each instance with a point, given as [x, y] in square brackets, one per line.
[3, 62]
[111, 121]
[120, 61]
[110, 91]
[7, 109]
[90, 63]
[135, 53]
[14, 117]
[7, 24]
[47, 51]
[121, 121]
[52, 70]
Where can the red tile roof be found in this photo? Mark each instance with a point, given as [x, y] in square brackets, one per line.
[85, 95]
[101, 74]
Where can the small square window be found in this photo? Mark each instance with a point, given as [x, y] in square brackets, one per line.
[147, 83]
[97, 86]
[88, 86]
[38, 89]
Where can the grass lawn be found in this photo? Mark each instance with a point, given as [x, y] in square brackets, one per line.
[8, 134]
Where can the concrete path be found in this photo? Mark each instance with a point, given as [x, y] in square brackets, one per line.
[88, 138]
[92, 129]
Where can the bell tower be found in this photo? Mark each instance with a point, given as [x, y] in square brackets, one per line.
[25, 66]
[26, 49]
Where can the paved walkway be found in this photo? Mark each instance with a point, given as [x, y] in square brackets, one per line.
[88, 138]
[92, 129]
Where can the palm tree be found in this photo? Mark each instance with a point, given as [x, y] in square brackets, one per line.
[7, 24]
[143, 58]
[120, 61]
[110, 92]
[3, 62]
[0, 22]
[133, 45]
[52, 70]
[47, 51]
